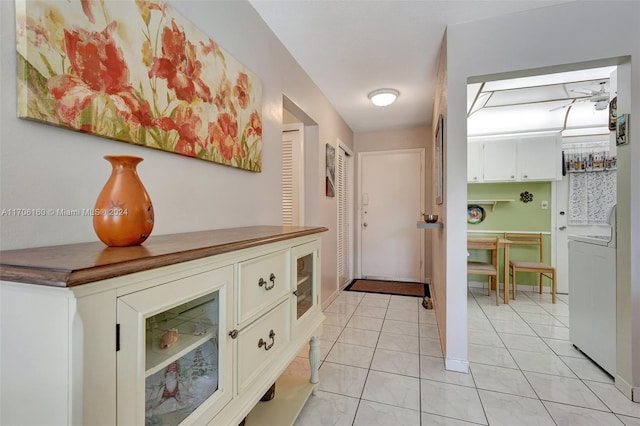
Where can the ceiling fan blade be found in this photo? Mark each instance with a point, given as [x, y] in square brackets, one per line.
[567, 105]
[573, 102]
[586, 92]
[559, 107]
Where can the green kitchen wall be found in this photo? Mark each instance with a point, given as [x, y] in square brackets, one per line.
[512, 216]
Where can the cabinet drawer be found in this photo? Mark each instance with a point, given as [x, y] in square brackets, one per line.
[261, 283]
[261, 342]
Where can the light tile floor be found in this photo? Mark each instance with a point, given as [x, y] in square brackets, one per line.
[382, 364]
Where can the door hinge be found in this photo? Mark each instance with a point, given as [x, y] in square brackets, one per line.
[117, 337]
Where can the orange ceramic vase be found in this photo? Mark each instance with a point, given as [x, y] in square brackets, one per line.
[123, 215]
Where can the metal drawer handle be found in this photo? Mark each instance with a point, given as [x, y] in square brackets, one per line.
[233, 333]
[272, 336]
[262, 282]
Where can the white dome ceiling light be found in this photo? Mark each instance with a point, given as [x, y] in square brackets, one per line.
[383, 97]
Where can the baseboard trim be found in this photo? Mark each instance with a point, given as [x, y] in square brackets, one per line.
[330, 299]
[521, 287]
[458, 365]
[482, 231]
[631, 392]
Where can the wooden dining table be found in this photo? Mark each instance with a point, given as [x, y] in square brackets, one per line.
[503, 244]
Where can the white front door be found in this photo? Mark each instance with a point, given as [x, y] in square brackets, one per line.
[391, 201]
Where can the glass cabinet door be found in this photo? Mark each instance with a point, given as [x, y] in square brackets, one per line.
[181, 369]
[305, 294]
[304, 284]
[182, 349]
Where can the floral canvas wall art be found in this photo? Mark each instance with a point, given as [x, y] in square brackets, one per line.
[138, 72]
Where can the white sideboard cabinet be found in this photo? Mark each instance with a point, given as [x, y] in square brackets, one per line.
[188, 329]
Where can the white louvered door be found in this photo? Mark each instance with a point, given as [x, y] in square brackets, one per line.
[344, 183]
[292, 176]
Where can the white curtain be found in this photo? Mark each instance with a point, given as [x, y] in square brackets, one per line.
[591, 197]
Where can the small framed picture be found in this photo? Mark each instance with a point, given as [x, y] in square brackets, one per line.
[613, 113]
[622, 129]
[330, 171]
[439, 145]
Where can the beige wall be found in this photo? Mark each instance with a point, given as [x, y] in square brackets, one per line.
[42, 166]
[439, 236]
[390, 139]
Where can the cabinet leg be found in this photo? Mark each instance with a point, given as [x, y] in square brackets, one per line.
[314, 361]
[270, 394]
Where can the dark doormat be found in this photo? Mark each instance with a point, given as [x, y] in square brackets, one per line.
[390, 287]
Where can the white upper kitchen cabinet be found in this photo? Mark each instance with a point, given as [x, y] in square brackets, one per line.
[539, 158]
[474, 161]
[500, 160]
[515, 158]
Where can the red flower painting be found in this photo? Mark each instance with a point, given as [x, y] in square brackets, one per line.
[224, 136]
[241, 90]
[139, 72]
[97, 70]
[179, 66]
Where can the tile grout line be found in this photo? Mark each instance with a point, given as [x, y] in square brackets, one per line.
[484, 411]
[552, 351]
[370, 362]
[419, 370]
[355, 415]
[548, 317]
[583, 381]
[519, 368]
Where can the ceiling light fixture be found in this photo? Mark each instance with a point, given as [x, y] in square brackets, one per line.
[383, 97]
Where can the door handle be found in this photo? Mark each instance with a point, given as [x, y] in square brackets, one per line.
[365, 224]
[562, 228]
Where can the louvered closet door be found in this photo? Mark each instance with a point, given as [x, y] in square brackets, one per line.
[292, 178]
[343, 173]
[287, 181]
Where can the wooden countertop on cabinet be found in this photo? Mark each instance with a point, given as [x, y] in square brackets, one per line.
[75, 264]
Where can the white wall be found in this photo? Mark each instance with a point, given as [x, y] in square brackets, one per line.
[42, 166]
[534, 42]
